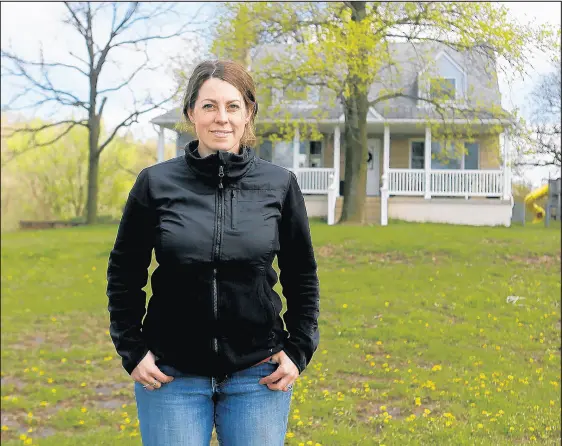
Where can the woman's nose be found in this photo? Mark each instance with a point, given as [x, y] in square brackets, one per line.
[221, 115]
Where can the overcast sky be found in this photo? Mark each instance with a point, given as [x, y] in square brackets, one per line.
[26, 25]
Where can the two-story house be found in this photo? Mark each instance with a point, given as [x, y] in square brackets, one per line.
[408, 177]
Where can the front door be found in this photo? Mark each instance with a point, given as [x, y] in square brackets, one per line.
[373, 163]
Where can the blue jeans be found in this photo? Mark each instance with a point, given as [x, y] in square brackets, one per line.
[244, 412]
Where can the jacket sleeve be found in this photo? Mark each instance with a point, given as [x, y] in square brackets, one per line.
[298, 277]
[127, 274]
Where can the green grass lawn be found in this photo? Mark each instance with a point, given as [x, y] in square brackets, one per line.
[418, 343]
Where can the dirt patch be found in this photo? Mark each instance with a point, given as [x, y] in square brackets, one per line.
[110, 404]
[110, 389]
[368, 409]
[12, 381]
[357, 255]
[546, 260]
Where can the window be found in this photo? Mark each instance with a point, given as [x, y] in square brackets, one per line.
[442, 88]
[471, 157]
[310, 154]
[445, 160]
[314, 93]
[266, 151]
[296, 93]
[418, 148]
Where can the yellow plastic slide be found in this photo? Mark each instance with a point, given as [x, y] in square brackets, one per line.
[530, 202]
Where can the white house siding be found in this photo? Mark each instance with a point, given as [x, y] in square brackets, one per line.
[316, 205]
[473, 212]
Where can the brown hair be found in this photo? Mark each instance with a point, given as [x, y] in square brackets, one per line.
[233, 73]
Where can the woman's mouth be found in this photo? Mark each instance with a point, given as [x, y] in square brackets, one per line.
[221, 134]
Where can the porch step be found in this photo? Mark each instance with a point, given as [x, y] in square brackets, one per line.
[372, 209]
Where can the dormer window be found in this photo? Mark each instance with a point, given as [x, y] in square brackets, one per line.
[442, 80]
[442, 88]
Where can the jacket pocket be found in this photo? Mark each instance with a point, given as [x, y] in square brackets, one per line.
[266, 301]
[233, 209]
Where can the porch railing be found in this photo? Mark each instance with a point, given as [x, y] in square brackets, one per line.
[314, 180]
[406, 181]
[452, 183]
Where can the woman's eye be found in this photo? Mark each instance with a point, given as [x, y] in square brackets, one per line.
[234, 106]
[207, 106]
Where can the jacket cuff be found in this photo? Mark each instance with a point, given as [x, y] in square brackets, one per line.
[295, 355]
[133, 359]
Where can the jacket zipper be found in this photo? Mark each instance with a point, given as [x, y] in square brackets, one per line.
[217, 251]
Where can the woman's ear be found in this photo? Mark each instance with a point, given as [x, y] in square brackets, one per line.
[190, 115]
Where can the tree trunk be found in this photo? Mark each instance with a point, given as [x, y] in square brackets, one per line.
[93, 169]
[355, 134]
[356, 153]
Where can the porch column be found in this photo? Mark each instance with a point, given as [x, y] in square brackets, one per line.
[160, 156]
[427, 162]
[296, 150]
[506, 167]
[337, 137]
[385, 174]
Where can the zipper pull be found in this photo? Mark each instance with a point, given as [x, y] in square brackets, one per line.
[221, 175]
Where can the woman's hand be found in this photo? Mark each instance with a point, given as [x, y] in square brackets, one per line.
[148, 374]
[285, 375]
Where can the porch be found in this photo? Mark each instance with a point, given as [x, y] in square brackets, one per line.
[480, 175]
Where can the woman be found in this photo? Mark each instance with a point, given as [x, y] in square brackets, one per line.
[212, 350]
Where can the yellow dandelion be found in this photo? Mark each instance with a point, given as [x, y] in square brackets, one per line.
[5, 428]
[480, 426]
[382, 408]
[81, 422]
[82, 384]
[356, 345]
[344, 306]
[83, 410]
[28, 441]
[63, 360]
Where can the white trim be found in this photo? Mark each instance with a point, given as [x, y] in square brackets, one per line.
[375, 114]
[442, 53]
[341, 120]
[160, 156]
[296, 149]
[427, 162]
[337, 157]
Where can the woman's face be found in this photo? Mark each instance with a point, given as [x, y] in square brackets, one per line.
[219, 116]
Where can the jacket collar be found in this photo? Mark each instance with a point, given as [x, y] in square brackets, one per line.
[234, 166]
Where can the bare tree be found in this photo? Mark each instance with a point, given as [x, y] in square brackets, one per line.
[546, 103]
[130, 30]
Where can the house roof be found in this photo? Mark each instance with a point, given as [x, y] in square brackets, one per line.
[410, 61]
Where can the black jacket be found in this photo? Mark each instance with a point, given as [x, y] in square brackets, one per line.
[216, 225]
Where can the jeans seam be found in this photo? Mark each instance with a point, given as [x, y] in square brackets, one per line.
[217, 428]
